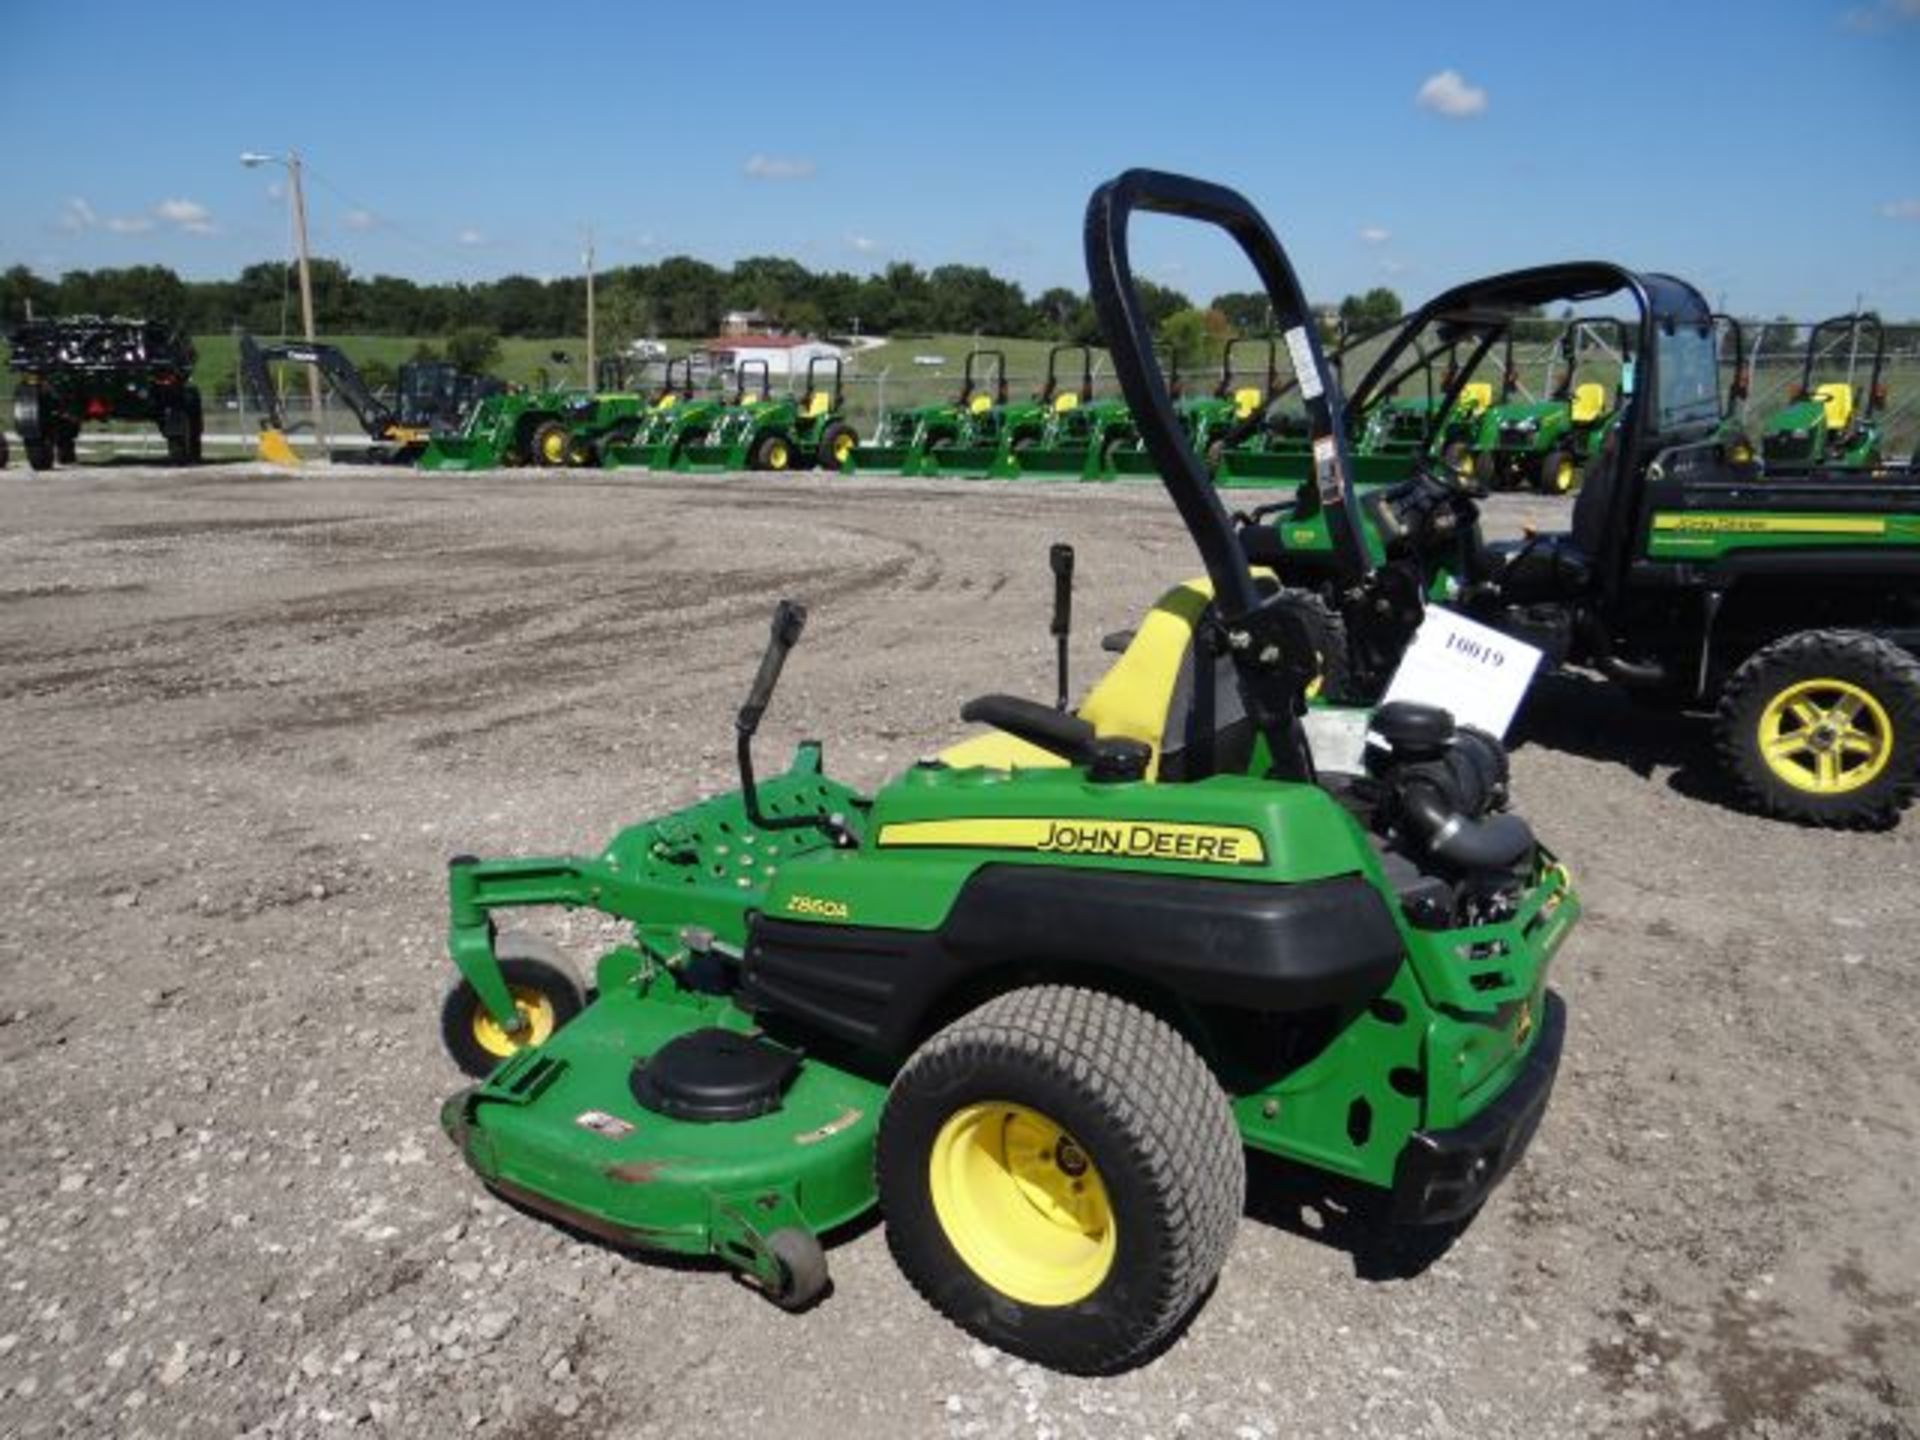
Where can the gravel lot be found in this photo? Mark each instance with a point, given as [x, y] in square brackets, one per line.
[248, 715]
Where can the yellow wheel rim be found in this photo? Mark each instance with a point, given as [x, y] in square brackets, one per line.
[842, 448]
[1563, 476]
[777, 455]
[1022, 1203]
[1825, 736]
[534, 1007]
[553, 447]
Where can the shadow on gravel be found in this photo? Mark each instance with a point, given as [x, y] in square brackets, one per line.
[1584, 715]
[1345, 1216]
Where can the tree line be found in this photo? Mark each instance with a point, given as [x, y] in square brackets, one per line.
[678, 297]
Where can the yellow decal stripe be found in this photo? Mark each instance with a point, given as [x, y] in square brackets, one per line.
[1769, 524]
[1127, 839]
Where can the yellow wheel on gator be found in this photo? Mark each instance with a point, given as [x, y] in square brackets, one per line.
[1022, 1203]
[546, 995]
[1061, 1176]
[1825, 735]
[1824, 727]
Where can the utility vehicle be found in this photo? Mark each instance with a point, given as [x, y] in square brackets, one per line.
[1786, 605]
[1034, 999]
[88, 369]
[1831, 425]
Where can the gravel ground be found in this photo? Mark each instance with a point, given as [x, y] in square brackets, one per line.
[248, 715]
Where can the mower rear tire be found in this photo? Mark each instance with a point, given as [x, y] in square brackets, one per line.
[39, 454]
[1061, 1176]
[547, 991]
[1823, 727]
[67, 446]
[836, 448]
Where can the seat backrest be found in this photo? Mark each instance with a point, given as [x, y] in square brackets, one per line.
[1595, 500]
[1474, 397]
[1131, 701]
[667, 401]
[1066, 400]
[1837, 400]
[818, 404]
[980, 404]
[1246, 400]
[1589, 402]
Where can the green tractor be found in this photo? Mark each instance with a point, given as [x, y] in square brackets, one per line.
[649, 437]
[1210, 420]
[759, 432]
[546, 428]
[1065, 433]
[1785, 608]
[87, 370]
[961, 437]
[1543, 443]
[1823, 427]
[1036, 999]
[1417, 425]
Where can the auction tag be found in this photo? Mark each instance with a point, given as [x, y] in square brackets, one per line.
[1305, 373]
[1470, 669]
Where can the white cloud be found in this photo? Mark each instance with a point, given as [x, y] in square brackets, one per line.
[77, 215]
[189, 215]
[1449, 94]
[775, 167]
[361, 220]
[1393, 267]
[1908, 209]
[863, 243]
[470, 236]
[1375, 234]
[130, 224]
[1871, 19]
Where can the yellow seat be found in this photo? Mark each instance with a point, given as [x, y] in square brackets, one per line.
[1246, 400]
[1837, 400]
[817, 405]
[1589, 402]
[749, 401]
[1474, 397]
[1065, 401]
[1130, 701]
[979, 404]
[666, 402]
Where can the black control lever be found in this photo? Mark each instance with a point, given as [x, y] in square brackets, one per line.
[1060, 557]
[789, 620]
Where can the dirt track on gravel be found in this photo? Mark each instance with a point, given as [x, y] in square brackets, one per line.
[247, 716]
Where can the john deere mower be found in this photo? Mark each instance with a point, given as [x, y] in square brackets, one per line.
[933, 439]
[760, 432]
[87, 369]
[1784, 607]
[1036, 998]
[1826, 426]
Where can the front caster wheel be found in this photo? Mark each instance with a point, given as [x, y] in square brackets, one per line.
[803, 1268]
[1061, 1176]
[546, 992]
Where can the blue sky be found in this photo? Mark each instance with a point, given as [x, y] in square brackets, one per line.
[1769, 151]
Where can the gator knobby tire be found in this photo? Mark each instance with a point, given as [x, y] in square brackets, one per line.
[1147, 1112]
[1331, 651]
[1880, 668]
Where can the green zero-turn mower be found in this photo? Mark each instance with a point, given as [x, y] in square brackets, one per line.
[1786, 607]
[1035, 999]
[961, 437]
[761, 432]
[1828, 426]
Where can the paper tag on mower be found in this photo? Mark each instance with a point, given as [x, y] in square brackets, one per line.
[1470, 669]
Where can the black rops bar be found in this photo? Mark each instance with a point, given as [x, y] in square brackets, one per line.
[1272, 651]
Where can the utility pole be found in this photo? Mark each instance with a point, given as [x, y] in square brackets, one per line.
[593, 373]
[306, 286]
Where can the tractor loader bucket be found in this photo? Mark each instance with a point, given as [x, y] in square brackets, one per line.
[274, 449]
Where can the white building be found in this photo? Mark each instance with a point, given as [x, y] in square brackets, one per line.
[785, 354]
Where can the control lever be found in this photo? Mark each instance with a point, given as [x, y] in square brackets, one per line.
[1060, 557]
[789, 620]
